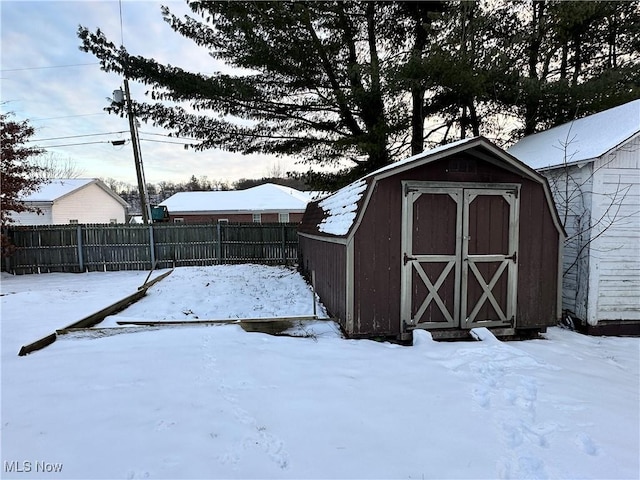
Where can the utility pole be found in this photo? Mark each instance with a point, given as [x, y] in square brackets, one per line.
[137, 157]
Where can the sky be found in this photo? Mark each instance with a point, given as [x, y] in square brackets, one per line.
[61, 90]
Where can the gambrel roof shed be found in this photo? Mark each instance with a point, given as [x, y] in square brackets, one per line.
[593, 167]
[457, 237]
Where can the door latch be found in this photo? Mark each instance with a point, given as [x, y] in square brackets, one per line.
[513, 257]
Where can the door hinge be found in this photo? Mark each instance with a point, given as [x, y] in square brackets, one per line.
[513, 257]
[406, 259]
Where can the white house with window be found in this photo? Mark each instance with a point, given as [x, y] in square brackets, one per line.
[72, 200]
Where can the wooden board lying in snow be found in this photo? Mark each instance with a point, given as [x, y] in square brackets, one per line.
[159, 323]
[94, 318]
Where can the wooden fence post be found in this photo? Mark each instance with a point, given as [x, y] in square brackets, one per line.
[219, 243]
[283, 233]
[313, 290]
[80, 254]
[152, 247]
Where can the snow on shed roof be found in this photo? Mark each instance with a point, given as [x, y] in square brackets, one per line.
[586, 138]
[60, 187]
[339, 210]
[266, 197]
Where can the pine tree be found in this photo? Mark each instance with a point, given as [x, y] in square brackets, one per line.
[318, 87]
[581, 58]
[355, 84]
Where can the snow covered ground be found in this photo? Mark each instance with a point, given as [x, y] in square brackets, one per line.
[219, 402]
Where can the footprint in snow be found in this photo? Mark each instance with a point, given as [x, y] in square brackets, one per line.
[132, 475]
[164, 425]
[482, 396]
[586, 444]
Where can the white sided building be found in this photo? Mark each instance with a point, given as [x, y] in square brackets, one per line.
[593, 168]
[72, 200]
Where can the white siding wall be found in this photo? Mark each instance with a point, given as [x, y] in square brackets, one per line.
[571, 189]
[615, 238]
[32, 218]
[90, 204]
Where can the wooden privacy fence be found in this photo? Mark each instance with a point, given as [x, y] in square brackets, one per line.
[80, 248]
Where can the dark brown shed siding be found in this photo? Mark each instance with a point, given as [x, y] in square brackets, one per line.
[377, 264]
[328, 260]
[537, 261]
[377, 249]
[377, 252]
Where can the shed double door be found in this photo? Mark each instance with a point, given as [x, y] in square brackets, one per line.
[460, 255]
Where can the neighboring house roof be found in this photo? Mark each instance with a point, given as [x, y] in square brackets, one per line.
[263, 198]
[61, 187]
[585, 139]
[341, 209]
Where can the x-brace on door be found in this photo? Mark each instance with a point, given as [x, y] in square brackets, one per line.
[459, 255]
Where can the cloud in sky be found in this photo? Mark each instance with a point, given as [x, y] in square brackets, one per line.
[62, 91]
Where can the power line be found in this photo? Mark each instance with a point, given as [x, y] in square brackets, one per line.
[166, 135]
[66, 116]
[76, 136]
[164, 141]
[43, 68]
[75, 144]
[110, 142]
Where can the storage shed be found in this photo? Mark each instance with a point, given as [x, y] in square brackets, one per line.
[458, 237]
[593, 168]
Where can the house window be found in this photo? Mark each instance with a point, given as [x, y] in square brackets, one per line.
[223, 220]
[283, 217]
[257, 218]
[73, 220]
[178, 220]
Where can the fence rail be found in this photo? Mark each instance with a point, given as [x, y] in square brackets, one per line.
[80, 248]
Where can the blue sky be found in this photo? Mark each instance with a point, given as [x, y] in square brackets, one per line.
[61, 90]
